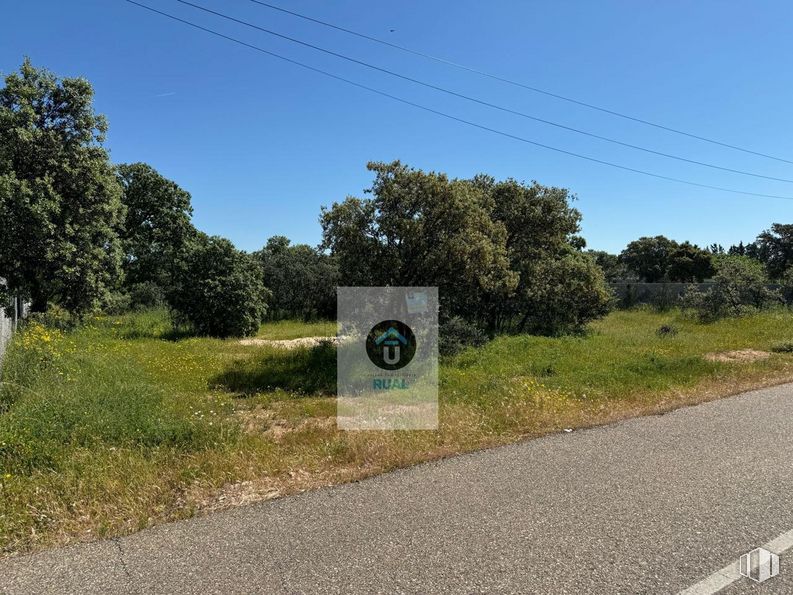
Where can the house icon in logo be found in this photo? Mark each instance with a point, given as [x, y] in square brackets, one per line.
[391, 344]
[391, 340]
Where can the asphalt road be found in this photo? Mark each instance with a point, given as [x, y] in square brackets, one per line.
[650, 505]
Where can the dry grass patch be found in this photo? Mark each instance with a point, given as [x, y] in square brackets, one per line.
[738, 355]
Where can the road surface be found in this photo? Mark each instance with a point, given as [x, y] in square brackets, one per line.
[649, 505]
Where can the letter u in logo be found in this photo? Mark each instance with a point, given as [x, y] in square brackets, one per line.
[391, 354]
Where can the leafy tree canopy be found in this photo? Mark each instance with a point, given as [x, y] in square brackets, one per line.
[658, 258]
[648, 257]
[493, 248]
[613, 268]
[156, 227]
[218, 289]
[302, 279]
[420, 229]
[689, 263]
[60, 201]
[775, 249]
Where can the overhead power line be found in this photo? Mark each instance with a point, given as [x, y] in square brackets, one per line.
[477, 100]
[518, 83]
[449, 116]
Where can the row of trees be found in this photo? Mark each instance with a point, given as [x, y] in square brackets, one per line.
[77, 231]
[656, 259]
[82, 233]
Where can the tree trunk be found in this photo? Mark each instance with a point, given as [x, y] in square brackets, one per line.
[38, 300]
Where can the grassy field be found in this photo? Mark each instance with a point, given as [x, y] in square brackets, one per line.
[124, 422]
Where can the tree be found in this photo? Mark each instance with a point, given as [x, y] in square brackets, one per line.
[156, 227]
[421, 229]
[613, 269]
[559, 289]
[775, 249]
[688, 263]
[218, 289]
[504, 255]
[740, 287]
[716, 249]
[563, 294]
[302, 279]
[786, 282]
[648, 257]
[60, 202]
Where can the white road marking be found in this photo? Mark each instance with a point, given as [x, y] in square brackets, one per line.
[729, 574]
[781, 543]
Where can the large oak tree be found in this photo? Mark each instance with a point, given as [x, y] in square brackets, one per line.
[156, 227]
[59, 198]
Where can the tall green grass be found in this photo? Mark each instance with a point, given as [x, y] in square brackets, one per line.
[125, 421]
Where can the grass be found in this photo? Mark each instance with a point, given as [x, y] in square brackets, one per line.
[126, 422]
[294, 329]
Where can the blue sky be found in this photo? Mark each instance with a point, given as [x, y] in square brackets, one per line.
[261, 144]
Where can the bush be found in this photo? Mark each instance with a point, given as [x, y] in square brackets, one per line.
[504, 255]
[783, 347]
[117, 302]
[740, 287]
[302, 280]
[563, 294]
[146, 295]
[666, 330]
[219, 290]
[56, 317]
[456, 335]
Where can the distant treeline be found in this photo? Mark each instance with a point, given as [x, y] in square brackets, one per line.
[79, 233]
[659, 259]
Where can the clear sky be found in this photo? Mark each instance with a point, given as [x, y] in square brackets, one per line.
[262, 144]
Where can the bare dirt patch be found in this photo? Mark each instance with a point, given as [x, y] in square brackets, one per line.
[737, 356]
[263, 421]
[289, 343]
[254, 421]
[280, 429]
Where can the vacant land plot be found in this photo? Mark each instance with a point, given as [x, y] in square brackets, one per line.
[124, 422]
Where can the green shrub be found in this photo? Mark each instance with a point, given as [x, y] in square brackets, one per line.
[740, 287]
[117, 302]
[301, 278]
[219, 290]
[456, 335]
[563, 295]
[56, 317]
[146, 295]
